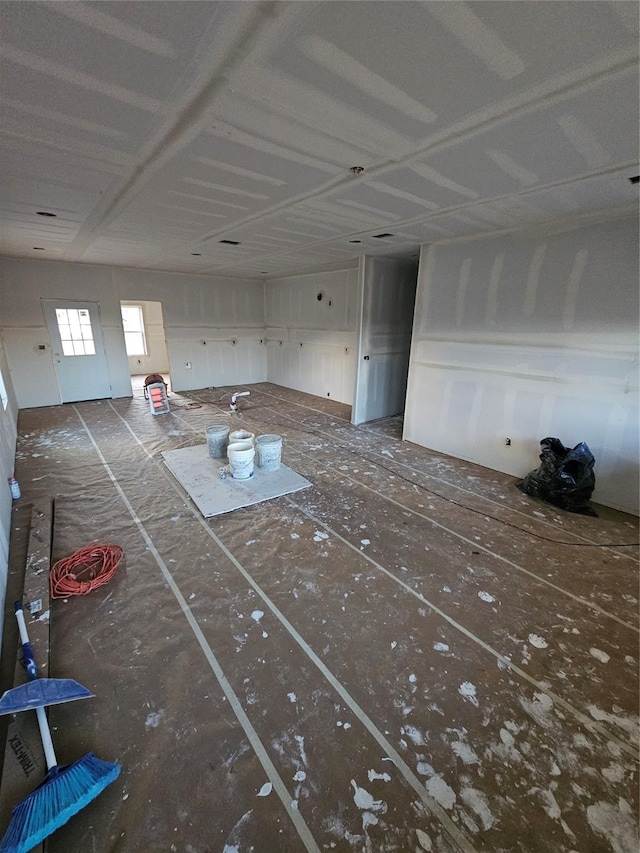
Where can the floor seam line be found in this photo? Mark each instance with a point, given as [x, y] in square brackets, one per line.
[577, 598]
[579, 715]
[258, 747]
[438, 479]
[434, 807]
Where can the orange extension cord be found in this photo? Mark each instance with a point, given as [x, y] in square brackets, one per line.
[85, 570]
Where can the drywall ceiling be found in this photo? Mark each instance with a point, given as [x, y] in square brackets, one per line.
[155, 130]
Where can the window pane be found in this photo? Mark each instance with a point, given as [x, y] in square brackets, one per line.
[131, 318]
[135, 344]
[74, 321]
[133, 325]
[76, 334]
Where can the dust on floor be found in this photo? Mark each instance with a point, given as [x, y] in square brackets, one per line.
[411, 655]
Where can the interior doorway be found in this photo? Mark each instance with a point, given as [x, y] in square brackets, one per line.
[387, 292]
[145, 341]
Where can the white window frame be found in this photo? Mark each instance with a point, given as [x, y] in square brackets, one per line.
[138, 331]
[76, 332]
[4, 396]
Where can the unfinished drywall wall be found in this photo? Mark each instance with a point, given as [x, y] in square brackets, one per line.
[213, 325]
[387, 291]
[531, 335]
[156, 359]
[8, 432]
[311, 332]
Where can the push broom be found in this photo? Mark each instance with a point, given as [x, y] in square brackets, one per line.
[66, 789]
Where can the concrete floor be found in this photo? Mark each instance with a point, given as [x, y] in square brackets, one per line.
[411, 655]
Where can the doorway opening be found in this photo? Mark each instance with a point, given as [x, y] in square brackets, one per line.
[145, 341]
[387, 292]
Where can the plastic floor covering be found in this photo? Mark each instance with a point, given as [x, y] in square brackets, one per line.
[409, 655]
[200, 476]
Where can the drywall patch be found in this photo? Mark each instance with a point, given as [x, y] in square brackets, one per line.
[468, 690]
[485, 596]
[533, 280]
[464, 752]
[615, 823]
[442, 793]
[479, 804]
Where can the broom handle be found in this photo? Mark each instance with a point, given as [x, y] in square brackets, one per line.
[32, 672]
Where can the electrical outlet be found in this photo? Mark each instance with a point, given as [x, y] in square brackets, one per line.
[187, 365]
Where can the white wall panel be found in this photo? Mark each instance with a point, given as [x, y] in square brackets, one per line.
[326, 371]
[311, 343]
[195, 308]
[526, 337]
[31, 369]
[216, 362]
[8, 432]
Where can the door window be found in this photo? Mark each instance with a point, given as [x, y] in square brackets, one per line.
[76, 334]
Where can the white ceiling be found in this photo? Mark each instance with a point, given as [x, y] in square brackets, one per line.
[153, 130]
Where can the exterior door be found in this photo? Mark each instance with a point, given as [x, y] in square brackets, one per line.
[78, 349]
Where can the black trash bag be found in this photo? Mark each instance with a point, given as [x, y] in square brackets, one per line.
[565, 478]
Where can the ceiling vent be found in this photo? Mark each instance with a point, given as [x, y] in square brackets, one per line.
[230, 242]
[380, 236]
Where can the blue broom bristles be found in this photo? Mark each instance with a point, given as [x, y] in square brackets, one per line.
[62, 794]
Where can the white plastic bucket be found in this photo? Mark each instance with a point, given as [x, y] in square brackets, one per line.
[217, 438]
[241, 460]
[246, 444]
[269, 451]
[241, 435]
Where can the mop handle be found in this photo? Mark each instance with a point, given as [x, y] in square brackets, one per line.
[32, 672]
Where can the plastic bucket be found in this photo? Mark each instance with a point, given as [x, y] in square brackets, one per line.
[269, 451]
[217, 437]
[241, 460]
[242, 445]
[241, 435]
